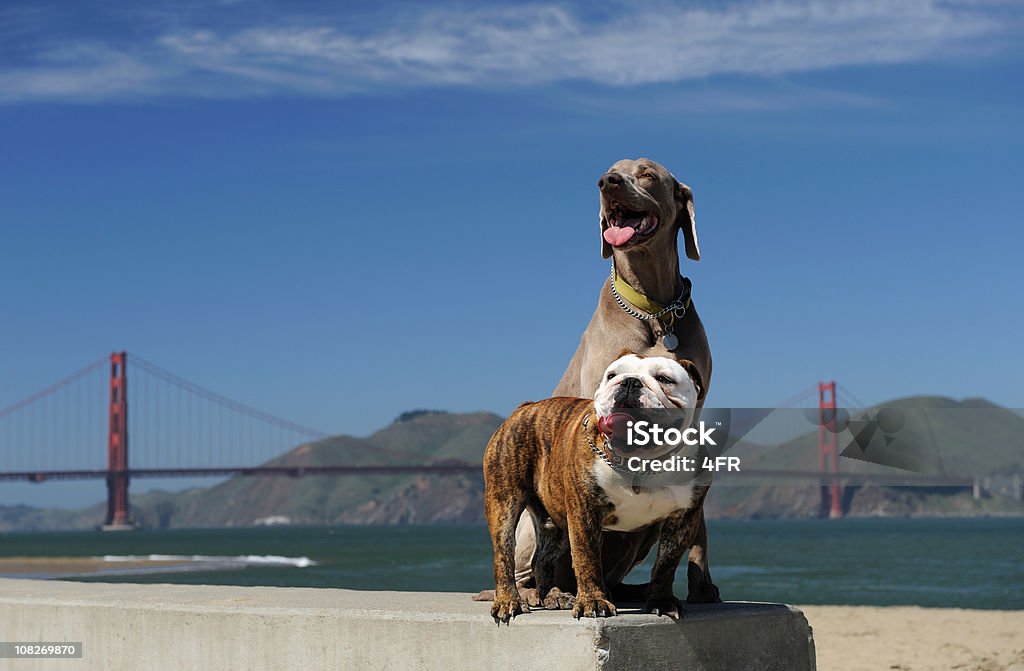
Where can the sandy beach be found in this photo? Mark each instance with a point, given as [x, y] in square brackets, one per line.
[67, 567]
[906, 638]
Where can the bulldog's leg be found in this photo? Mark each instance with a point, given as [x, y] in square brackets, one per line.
[585, 547]
[621, 552]
[679, 533]
[698, 573]
[676, 532]
[525, 561]
[503, 509]
[552, 544]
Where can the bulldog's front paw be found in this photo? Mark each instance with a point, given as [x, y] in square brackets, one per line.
[592, 606]
[556, 599]
[507, 607]
[666, 605]
[705, 592]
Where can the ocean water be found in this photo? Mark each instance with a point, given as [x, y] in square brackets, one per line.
[965, 563]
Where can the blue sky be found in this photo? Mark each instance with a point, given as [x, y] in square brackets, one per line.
[338, 213]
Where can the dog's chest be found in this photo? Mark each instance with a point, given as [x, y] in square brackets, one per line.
[636, 510]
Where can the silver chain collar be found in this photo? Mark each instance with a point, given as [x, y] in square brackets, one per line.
[597, 450]
[677, 307]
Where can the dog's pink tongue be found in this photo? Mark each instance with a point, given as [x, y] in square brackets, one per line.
[614, 424]
[618, 235]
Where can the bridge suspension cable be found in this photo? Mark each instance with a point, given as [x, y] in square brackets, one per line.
[222, 400]
[803, 396]
[55, 387]
[848, 398]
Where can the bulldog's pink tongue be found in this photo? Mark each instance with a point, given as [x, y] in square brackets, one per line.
[615, 424]
[618, 235]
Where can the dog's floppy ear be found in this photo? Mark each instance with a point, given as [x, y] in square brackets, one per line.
[606, 249]
[686, 221]
[691, 370]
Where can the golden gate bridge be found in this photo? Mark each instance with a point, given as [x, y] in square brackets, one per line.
[181, 429]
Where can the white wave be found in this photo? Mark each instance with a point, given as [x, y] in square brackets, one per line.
[244, 560]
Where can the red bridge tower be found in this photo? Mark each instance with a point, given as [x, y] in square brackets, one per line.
[828, 451]
[118, 516]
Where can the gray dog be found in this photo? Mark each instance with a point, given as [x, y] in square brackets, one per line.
[645, 308]
[643, 208]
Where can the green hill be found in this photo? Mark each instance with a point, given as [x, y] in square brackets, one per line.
[422, 437]
[966, 437]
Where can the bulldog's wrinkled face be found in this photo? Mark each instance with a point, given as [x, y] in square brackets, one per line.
[635, 382]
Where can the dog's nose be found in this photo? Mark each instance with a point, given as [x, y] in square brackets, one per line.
[609, 180]
[632, 384]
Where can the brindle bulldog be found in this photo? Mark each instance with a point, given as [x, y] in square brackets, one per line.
[553, 460]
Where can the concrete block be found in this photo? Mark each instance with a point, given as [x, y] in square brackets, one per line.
[176, 627]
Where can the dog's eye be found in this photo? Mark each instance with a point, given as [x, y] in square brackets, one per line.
[647, 175]
[610, 376]
[664, 379]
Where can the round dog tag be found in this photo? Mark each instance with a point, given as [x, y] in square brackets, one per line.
[670, 341]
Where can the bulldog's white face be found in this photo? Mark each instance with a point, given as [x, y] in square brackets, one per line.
[648, 382]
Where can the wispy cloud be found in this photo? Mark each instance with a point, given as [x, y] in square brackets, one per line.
[495, 47]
